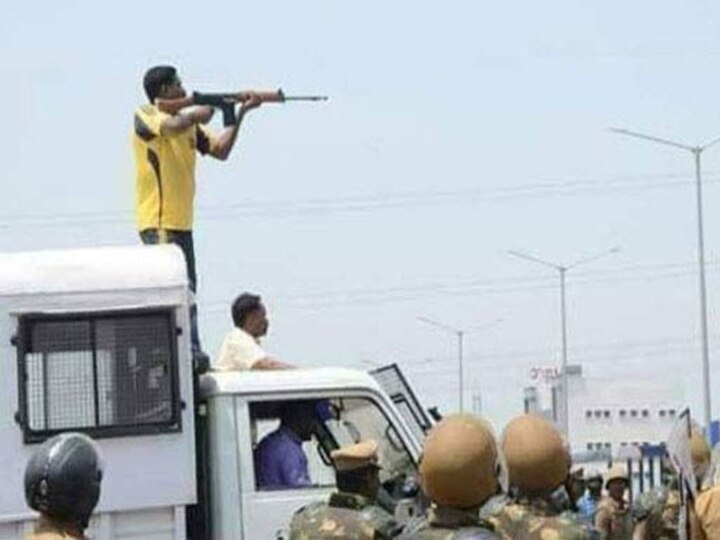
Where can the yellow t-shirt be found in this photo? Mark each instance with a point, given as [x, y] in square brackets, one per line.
[165, 171]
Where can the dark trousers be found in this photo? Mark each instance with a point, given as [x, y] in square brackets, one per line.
[184, 240]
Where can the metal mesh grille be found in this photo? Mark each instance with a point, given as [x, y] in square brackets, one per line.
[100, 371]
[391, 379]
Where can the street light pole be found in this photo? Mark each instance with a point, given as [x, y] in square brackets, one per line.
[562, 270]
[460, 334]
[703, 296]
[705, 349]
[563, 322]
[461, 378]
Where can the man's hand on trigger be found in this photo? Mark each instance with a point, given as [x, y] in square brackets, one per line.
[253, 102]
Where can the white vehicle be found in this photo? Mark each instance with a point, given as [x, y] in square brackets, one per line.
[97, 340]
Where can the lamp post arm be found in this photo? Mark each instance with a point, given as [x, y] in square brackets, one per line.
[532, 258]
[652, 138]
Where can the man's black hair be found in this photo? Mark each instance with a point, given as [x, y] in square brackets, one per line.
[243, 306]
[297, 411]
[155, 78]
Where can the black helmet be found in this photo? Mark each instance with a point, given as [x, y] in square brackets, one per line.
[62, 478]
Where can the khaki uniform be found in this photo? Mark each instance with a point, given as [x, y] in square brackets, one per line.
[345, 515]
[614, 520]
[537, 519]
[47, 530]
[445, 523]
[706, 518]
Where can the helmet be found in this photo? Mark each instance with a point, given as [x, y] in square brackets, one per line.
[356, 456]
[699, 449]
[460, 462]
[616, 472]
[537, 459]
[593, 475]
[62, 478]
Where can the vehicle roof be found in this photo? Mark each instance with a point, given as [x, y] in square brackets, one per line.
[91, 270]
[286, 380]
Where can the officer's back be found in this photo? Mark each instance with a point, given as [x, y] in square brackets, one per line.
[458, 472]
[538, 465]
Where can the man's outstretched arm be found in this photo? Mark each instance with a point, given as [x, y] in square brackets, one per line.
[270, 363]
[223, 145]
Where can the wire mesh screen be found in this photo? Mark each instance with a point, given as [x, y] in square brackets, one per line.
[391, 379]
[99, 372]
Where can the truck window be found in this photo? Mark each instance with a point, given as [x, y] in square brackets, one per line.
[358, 419]
[339, 422]
[283, 459]
[107, 374]
[392, 380]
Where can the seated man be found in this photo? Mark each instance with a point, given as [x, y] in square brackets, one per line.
[241, 349]
[280, 462]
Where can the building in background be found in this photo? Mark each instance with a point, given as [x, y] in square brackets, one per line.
[611, 419]
[609, 413]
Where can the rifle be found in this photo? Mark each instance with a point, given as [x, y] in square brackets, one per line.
[226, 102]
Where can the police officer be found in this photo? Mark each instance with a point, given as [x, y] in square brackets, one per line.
[705, 518]
[657, 513]
[587, 504]
[538, 465]
[352, 512]
[62, 482]
[613, 517]
[459, 473]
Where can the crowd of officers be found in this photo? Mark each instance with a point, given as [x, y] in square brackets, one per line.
[522, 487]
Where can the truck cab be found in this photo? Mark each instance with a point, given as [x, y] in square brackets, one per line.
[98, 341]
[242, 408]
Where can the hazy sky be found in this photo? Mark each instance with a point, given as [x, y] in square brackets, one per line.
[455, 131]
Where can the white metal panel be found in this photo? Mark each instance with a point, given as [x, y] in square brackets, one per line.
[141, 471]
[225, 471]
[158, 470]
[151, 524]
[92, 270]
[274, 381]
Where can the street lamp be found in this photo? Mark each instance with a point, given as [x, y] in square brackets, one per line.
[562, 270]
[460, 333]
[696, 151]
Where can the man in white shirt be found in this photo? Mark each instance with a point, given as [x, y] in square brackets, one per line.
[241, 350]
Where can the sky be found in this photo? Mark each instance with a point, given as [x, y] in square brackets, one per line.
[454, 132]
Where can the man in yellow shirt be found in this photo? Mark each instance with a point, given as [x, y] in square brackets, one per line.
[164, 146]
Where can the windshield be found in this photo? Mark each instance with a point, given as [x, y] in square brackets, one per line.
[355, 420]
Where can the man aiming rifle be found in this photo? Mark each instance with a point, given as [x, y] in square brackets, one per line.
[167, 132]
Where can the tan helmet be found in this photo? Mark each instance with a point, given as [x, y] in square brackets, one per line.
[616, 472]
[699, 449]
[536, 457]
[356, 456]
[699, 454]
[459, 464]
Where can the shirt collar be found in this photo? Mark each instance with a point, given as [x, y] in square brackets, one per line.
[247, 334]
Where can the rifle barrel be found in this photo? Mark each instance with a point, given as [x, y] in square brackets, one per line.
[305, 98]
